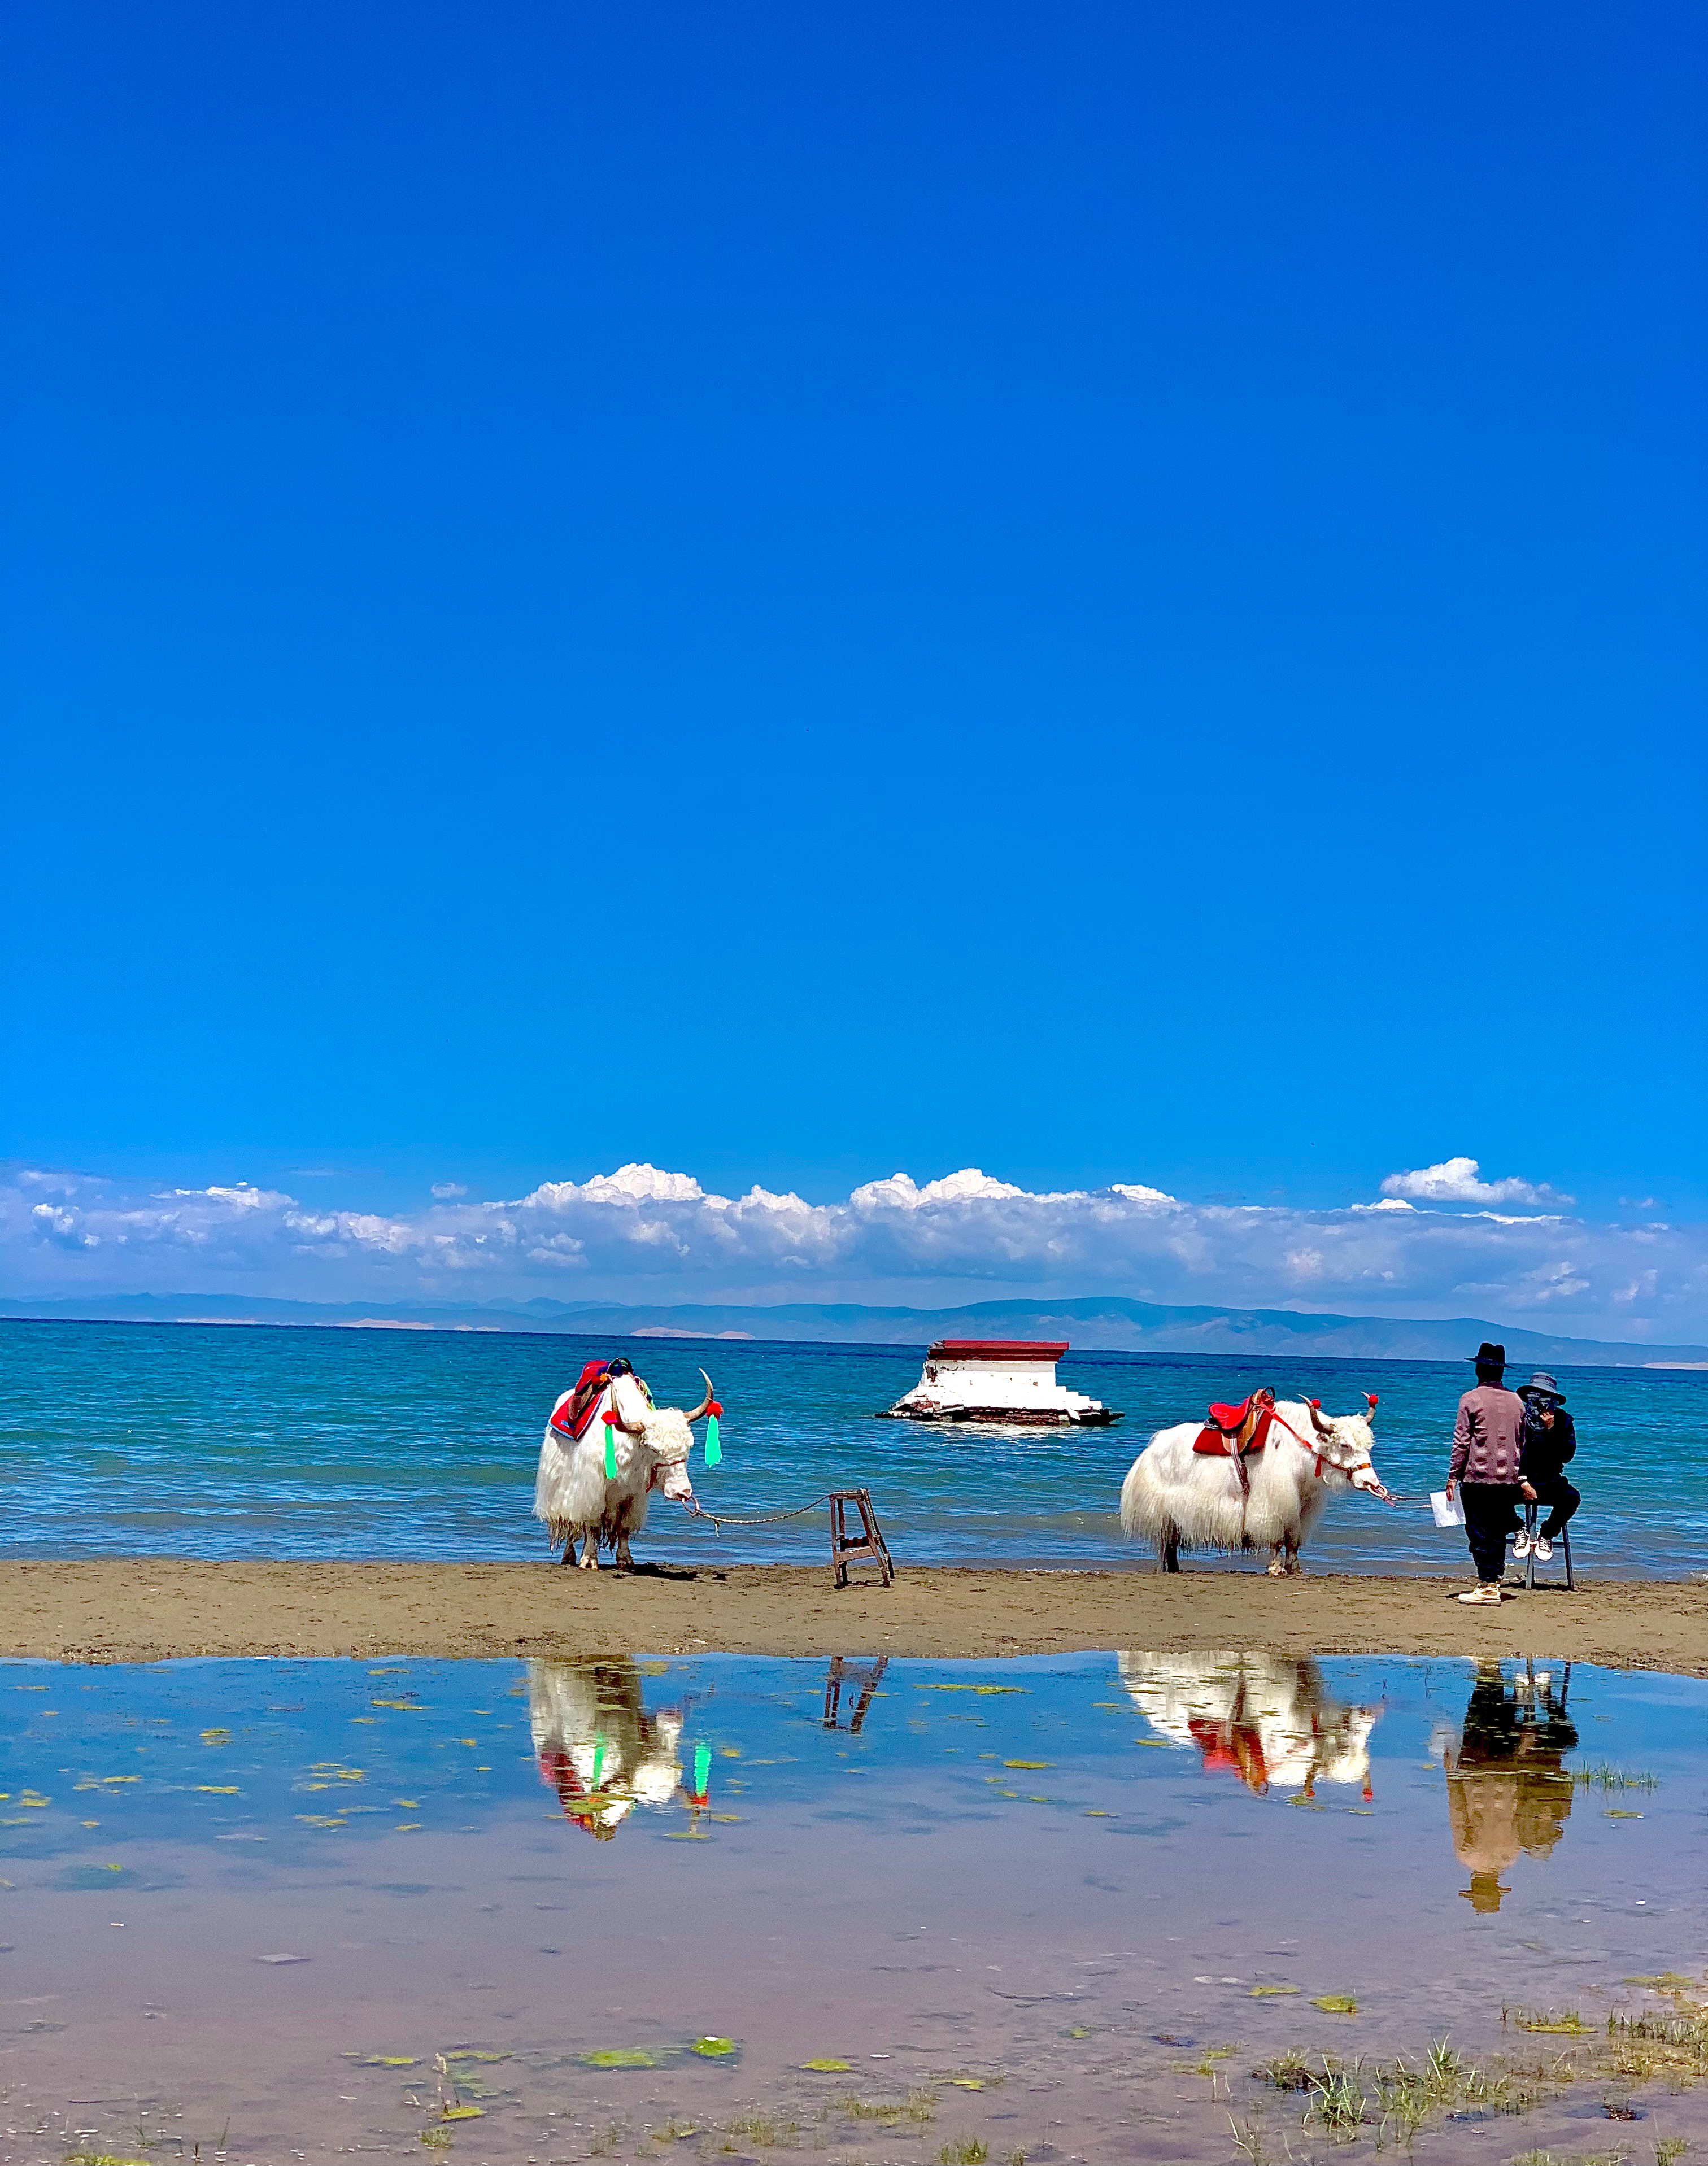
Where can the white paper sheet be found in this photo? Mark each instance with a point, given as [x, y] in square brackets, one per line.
[1449, 1511]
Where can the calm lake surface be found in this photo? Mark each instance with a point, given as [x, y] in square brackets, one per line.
[221, 1442]
[1057, 1907]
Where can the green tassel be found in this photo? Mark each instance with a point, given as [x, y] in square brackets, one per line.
[598, 1760]
[702, 1769]
[714, 1448]
[610, 1453]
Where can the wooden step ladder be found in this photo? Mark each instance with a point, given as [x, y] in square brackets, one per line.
[868, 1546]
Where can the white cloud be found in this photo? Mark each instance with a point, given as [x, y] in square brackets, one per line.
[967, 1186]
[443, 1191]
[1460, 1181]
[644, 1233]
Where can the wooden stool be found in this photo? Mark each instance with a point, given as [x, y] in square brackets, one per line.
[868, 1544]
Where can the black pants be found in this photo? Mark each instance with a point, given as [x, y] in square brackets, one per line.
[1560, 1499]
[1491, 1514]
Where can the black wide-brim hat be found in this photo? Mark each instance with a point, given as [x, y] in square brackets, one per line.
[1490, 1357]
[1541, 1386]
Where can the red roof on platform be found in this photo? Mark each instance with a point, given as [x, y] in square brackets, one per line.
[999, 1350]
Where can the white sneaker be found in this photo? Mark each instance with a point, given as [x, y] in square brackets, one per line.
[1520, 1544]
[1489, 1592]
[1544, 1550]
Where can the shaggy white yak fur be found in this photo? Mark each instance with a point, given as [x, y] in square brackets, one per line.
[597, 1745]
[1182, 1500]
[1270, 1717]
[575, 1498]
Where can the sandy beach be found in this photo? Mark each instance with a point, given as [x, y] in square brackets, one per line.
[156, 1608]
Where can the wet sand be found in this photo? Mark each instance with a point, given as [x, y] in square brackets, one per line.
[151, 1610]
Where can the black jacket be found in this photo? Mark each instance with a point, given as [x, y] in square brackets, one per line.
[1543, 1452]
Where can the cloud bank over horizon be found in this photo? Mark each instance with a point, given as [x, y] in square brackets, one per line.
[1429, 1243]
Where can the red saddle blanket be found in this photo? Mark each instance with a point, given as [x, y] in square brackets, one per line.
[572, 1418]
[1219, 1434]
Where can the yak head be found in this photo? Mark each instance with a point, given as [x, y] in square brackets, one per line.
[1347, 1443]
[669, 1439]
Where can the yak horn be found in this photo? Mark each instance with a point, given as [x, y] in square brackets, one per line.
[706, 1401]
[1372, 1397]
[1320, 1421]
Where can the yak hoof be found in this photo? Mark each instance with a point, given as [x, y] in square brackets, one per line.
[589, 1560]
[1278, 1569]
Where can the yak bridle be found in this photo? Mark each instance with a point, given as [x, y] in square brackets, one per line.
[1328, 1433]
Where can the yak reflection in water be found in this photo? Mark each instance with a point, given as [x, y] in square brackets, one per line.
[1271, 1719]
[1507, 1791]
[598, 1746]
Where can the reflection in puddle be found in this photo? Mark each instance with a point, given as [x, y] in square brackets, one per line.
[949, 1904]
[598, 1746]
[863, 1676]
[1268, 1718]
[1508, 1788]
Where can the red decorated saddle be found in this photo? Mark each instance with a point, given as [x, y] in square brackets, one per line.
[574, 1417]
[1231, 1432]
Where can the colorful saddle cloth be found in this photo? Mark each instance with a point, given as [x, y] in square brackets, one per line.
[574, 1417]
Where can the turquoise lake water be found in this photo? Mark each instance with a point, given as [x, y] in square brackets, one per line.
[220, 1442]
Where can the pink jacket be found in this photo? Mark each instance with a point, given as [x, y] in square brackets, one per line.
[1486, 1436]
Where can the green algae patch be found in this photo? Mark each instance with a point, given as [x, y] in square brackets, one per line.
[824, 2066]
[620, 2056]
[714, 2049]
[983, 1692]
[1335, 2004]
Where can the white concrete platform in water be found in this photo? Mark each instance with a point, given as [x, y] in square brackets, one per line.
[997, 1380]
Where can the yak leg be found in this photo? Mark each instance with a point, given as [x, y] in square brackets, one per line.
[625, 1560]
[590, 1551]
[1293, 1566]
[1170, 1547]
[1277, 1568]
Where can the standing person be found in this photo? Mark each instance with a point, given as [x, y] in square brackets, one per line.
[1550, 1439]
[1485, 1468]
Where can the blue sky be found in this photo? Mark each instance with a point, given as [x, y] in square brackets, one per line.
[1109, 594]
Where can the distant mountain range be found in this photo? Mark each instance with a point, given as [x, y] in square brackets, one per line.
[1105, 1322]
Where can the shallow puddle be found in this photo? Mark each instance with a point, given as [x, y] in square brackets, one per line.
[739, 1908]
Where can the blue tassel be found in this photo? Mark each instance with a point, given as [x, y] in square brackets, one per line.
[714, 1446]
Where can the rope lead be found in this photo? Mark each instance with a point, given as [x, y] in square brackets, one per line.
[756, 1519]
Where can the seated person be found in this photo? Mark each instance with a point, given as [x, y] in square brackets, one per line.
[1548, 1441]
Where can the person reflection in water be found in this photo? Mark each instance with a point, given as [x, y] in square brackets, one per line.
[598, 1747]
[1507, 1791]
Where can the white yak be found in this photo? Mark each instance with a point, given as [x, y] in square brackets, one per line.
[597, 1745]
[1269, 1718]
[1183, 1499]
[650, 1445]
